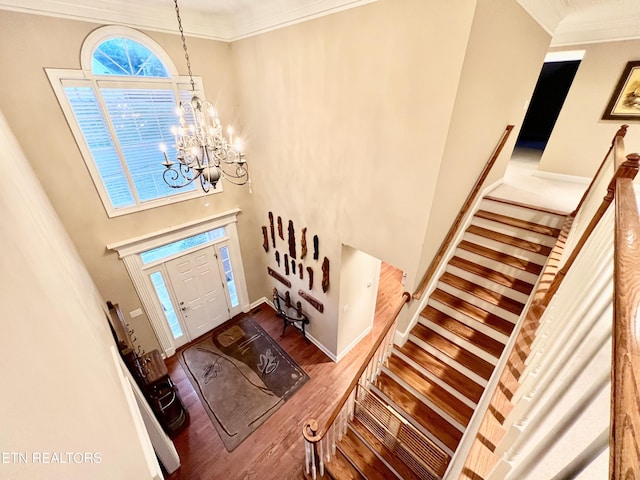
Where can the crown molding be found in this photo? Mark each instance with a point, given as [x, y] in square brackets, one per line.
[228, 26]
[580, 29]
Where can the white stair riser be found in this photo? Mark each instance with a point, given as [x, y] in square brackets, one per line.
[534, 216]
[497, 266]
[467, 297]
[470, 322]
[461, 342]
[444, 385]
[520, 233]
[449, 361]
[489, 284]
[504, 248]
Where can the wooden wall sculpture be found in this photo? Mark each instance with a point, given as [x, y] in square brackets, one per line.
[286, 264]
[265, 239]
[292, 240]
[278, 257]
[278, 277]
[293, 267]
[303, 244]
[315, 247]
[280, 234]
[273, 230]
[315, 303]
[301, 271]
[310, 276]
[325, 275]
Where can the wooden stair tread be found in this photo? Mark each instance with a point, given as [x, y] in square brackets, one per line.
[515, 262]
[431, 391]
[453, 351]
[363, 458]
[442, 371]
[483, 293]
[532, 247]
[341, 469]
[526, 205]
[490, 319]
[418, 411]
[479, 339]
[496, 277]
[518, 223]
[383, 451]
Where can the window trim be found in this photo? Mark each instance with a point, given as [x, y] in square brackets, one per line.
[59, 78]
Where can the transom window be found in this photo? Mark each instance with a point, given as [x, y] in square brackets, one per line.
[120, 107]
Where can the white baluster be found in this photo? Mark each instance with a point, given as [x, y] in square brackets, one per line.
[313, 461]
[307, 456]
[321, 457]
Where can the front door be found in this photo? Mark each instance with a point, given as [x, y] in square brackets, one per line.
[199, 290]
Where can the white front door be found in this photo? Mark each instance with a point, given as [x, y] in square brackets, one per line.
[199, 291]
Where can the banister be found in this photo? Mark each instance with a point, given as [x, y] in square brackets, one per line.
[626, 170]
[471, 198]
[617, 145]
[311, 429]
[625, 387]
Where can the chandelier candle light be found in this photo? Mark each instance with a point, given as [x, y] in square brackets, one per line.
[202, 150]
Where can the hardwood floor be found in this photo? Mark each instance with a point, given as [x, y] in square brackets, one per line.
[275, 450]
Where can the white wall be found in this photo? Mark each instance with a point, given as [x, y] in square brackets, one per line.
[359, 280]
[61, 390]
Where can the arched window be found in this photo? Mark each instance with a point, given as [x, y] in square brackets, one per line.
[120, 107]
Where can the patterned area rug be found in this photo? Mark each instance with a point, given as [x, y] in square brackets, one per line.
[242, 377]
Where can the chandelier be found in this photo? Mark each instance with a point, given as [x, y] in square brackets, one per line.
[202, 150]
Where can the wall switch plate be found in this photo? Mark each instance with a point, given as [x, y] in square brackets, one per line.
[136, 313]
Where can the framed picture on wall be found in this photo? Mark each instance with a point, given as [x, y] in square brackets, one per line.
[625, 101]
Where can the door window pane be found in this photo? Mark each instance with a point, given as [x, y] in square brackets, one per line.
[167, 305]
[228, 274]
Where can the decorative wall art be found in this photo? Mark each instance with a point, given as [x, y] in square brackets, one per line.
[315, 303]
[278, 277]
[287, 298]
[310, 277]
[292, 240]
[625, 100]
[280, 234]
[273, 230]
[303, 244]
[265, 238]
[325, 275]
[290, 263]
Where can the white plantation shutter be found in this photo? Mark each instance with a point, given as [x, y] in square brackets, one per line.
[119, 118]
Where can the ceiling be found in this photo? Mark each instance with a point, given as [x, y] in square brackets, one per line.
[568, 21]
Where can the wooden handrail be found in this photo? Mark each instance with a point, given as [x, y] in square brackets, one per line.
[618, 145]
[627, 170]
[311, 429]
[471, 198]
[625, 387]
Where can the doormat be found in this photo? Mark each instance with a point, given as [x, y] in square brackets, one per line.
[242, 377]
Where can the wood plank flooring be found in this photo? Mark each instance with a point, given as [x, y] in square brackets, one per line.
[275, 451]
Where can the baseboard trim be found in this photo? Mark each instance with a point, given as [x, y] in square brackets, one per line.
[561, 177]
[354, 343]
[257, 303]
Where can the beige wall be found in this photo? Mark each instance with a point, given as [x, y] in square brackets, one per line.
[347, 118]
[358, 292]
[580, 137]
[30, 43]
[61, 388]
[503, 59]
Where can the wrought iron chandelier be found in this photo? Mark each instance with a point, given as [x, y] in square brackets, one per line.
[202, 150]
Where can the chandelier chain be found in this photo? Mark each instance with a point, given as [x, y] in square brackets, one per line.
[184, 45]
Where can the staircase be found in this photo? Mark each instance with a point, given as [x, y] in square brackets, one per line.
[409, 422]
